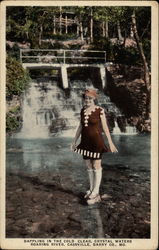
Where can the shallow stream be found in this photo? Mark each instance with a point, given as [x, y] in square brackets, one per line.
[47, 170]
[55, 156]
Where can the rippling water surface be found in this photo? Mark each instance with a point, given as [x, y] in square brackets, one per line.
[52, 157]
[35, 155]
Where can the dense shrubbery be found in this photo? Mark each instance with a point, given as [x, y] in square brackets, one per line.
[122, 55]
[62, 37]
[13, 51]
[17, 78]
[128, 56]
[118, 53]
[13, 120]
[147, 49]
[102, 43]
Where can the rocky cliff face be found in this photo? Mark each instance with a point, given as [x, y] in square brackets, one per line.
[127, 89]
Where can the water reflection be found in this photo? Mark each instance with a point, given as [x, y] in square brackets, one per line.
[92, 221]
[35, 155]
[96, 214]
[52, 157]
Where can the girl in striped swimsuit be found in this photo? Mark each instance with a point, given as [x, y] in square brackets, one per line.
[92, 124]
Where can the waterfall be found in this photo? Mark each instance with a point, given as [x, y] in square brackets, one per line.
[46, 111]
[116, 129]
[35, 117]
[49, 110]
[129, 130]
[103, 76]
[111, 108]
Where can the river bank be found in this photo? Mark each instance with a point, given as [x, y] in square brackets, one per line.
[45, 184]
[39, 206]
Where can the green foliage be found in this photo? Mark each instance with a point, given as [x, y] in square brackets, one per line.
[61, 37]
[13, 120]
[147, 49]
[102, 43]
[15, 109]
[117, 53]
[13, 52]
[143, 19]
[128, 56]
[11, 123]
[33, 24]
[17, 78]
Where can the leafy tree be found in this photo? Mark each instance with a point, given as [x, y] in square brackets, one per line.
[17, 78]
[13, 120]
[143, 58]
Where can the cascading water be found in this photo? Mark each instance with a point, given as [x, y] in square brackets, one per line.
[129, 130]
[35, 117]
[116, 129]
[48, 111]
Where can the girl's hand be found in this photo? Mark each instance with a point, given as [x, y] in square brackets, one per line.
[73, 146]
[113, 148]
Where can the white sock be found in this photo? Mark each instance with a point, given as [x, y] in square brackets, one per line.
[97, 181]
[91, 178]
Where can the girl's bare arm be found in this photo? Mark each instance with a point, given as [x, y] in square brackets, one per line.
[107, 132]
[77, 135]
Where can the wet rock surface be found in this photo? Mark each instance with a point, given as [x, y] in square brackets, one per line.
[47, 205]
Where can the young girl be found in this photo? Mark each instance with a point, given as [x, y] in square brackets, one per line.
[92, 146]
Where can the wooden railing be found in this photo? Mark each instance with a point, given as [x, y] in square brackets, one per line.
[44, 56]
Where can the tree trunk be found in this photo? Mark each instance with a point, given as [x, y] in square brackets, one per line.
[66, 25]
[60, 19]
[40, 34]
[106, 29]
[77, 30]
[141, 52]
[54, 29]
[27, 35]
[145, 29]
[91, 26]
[131, 32]
[143, 58]
[119, 31]
[81, 31]
[103, 28]
[125, 37]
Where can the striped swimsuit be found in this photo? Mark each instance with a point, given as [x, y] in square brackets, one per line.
[92, 143]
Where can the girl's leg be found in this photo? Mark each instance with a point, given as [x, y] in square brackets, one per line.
[91, 177]
[97, 177]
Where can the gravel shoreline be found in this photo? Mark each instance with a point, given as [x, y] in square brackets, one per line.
[40, 206]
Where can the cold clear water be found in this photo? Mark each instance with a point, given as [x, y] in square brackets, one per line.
[54, 154]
